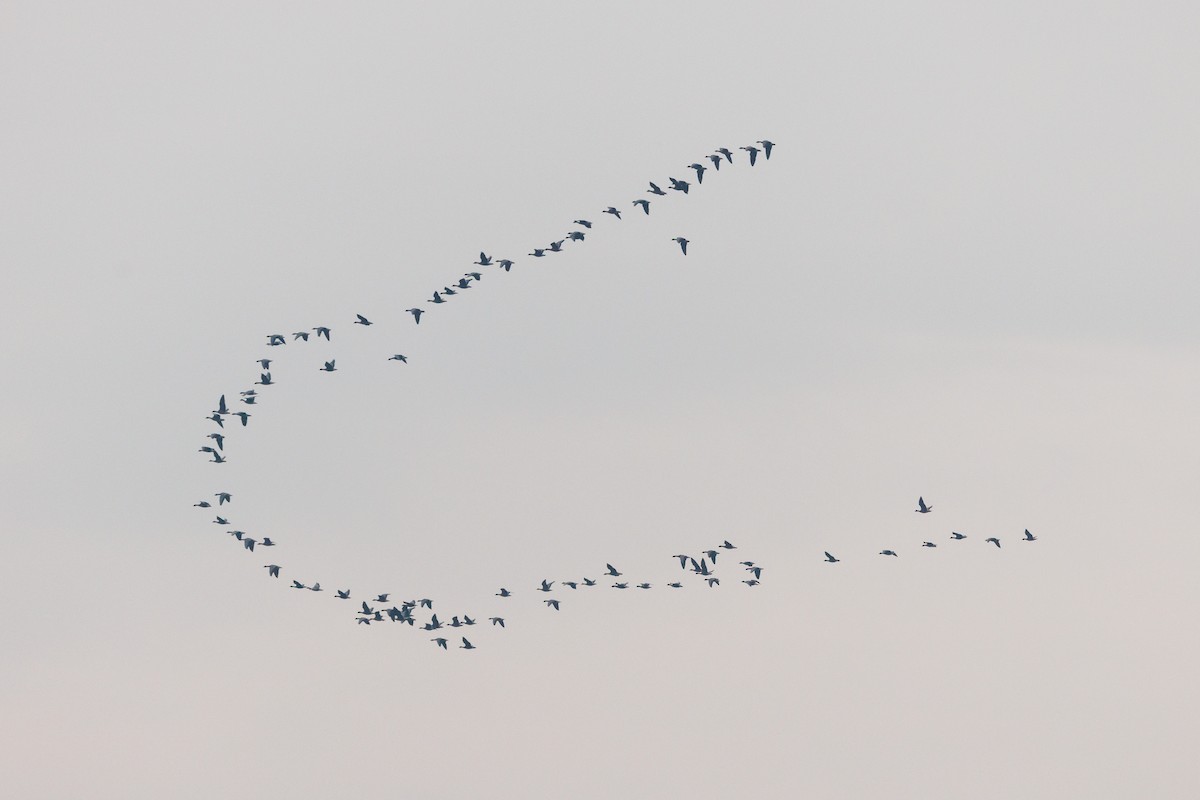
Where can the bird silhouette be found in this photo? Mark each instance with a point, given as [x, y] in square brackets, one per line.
[506, 264]
[362, 320]
[612, 571]
[300, 335]
[956, 535]
[321, 331]
[538, 252]
[993, 540]
[928, 544]
[613, 211]
[767, 145]
[829, 557]
[503, 592]
[585, 223]
[552, 603]
[484, 260]
[725, 151]
[753, 151]
[683, 243]
[679, 186]
[416, 312]
[329, 366]
[272, 570]
[399, 357]
[344, 594]
[700, 168]
[645, 204]
[466, 645]
[439, 642]
[545, 587]
[655, 190]
[497, 621]
[1029, 537]
[921, 507]
[888, 553]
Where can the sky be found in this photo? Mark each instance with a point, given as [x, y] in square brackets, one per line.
[966, 273]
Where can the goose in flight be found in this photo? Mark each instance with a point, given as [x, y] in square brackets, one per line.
[222, 409]
[366, 609]
[645, 204]
[399, 357]
[467, 620]
[576, 236]
[993, 540]
[316, 587]
[266, 542]
[714, 582]
[298, 585]
[679, 186]
[725, 151]
[463, 283]
[751, 582]
[383, 598]
[921, 507]
[416, 312]
[675, 585]
[321, 331]
[613, 211]
[497, 621]
[237, 534]
[829, 557]
[454, 622]
[300, 335]
[620, 586]
[538, 252]
[475, 276]
[329, 366]
[202, 503]
[727, 546]
[1029, 537]
[466, 645]
[700, 168]
[683, 559]
[588, 582]
[928, 544]
[767, 145]
[243, 416]
[556, 247]
[272, 570]
[655, 190]
[716, 161]
[888, 553]
[249, 543]
[217, 458]
[701, 568]
[712, 556]
[683, 243]
[276, 339]
[446, 290]
[263, 380]
[956, 535]
[612, 571]
[756, 570]
[250, 400]
[746, 563]
[440, 642]
[503, 592]
[545, 587]
[506, 264]
[437, 298]
[484, 260]
[643, 586]
[220, 521]
[217, 419]
[265, 363]
[570, 584]
[362, 320]
[753, 151]
[433, 624]
[585, 223]
[219, 439]
[552, 603]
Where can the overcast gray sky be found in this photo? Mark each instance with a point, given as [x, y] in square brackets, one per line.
[968, 272]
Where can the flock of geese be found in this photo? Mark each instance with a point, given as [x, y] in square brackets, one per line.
[700, 566]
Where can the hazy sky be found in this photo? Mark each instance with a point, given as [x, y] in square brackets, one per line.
[968, 272]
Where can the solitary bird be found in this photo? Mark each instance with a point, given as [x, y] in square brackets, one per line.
[767, 145]
[829, 557]
[497, 621]
[613, 211]
[362, 320]
[888, 553]
[552, 603]
[655, 190]
[993, 540]
[700, 168]
[645, 204]
[399, 357]
[329, 366]
[1029, 537]
[416, 312]
[484, 260]
[585, 223]
[921, 507]
[683, 243]
[503, 592]
[956, 535]
[753, 151]
[322, 331]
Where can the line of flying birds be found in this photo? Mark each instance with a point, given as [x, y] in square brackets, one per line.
[703, 567]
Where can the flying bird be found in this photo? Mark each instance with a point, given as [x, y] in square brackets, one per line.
[243, 416]
[221, 407]
[993, 540]
[545, 587]
[612, 571]
[620, 586]
[585, 223]
[497, 621]
[265, 363]
[538, 252]
[726, 545]
[956, 535]
[645, 204]
[643, 586]
[466, 645]
[753, 151]
[655, 190]
[266, 542]
[928, 544]
[756, 570]
[751, 582]
[613, 211]
[716, 160]
[399, 357]
[576, 236]
[416, 312]
[275, 339]
[321, 331]
[362, 320]
[329, 366]
[679, 186]
[297, 584]
[700, 168]
[1029, 537]
[725, 151]
[272, 570]
[439, 642]
[484, 260]
[506, 264]
[203, 503]
[921, 507]
[217, 419]
[888, 553]
[552, 603]
[556, 247]
[503, 592]
[220, 521]
[683, 243]
[829, 557]
[263, 380]
[714, 582]
[675, 585]
[219, 439]
[437, 298]
[767, 145]
[300, 335]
